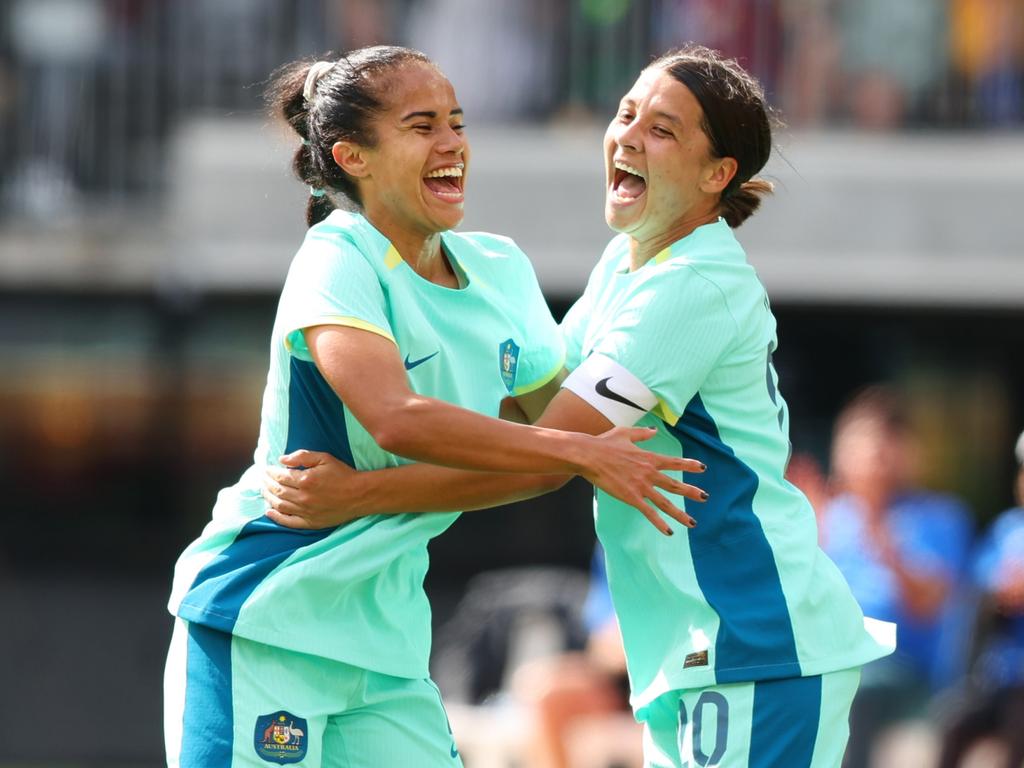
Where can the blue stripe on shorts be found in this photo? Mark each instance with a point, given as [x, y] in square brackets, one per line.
[207, 737]
[785, 722]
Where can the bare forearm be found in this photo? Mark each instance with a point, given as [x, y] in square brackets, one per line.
[429, 488]
[476, 442]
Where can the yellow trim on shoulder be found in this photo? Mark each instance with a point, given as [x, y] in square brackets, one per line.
[662, 255]
[666, 414]
[534, 386]
[392, 258]
[355, 322]
[349, 322]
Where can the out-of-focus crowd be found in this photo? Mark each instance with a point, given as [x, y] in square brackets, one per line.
[90, 89]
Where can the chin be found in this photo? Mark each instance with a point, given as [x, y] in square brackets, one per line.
[618, 221]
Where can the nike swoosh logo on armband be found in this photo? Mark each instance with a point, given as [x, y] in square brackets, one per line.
[602, 389]
[410, 364]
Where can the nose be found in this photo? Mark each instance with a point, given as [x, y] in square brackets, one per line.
[451, 142]
[628, 137]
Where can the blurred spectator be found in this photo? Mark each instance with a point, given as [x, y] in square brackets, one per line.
[902, 550]
[995, 694]
[503, 56]
[893, 56]
[987, 47]
[561, 691]
[810, 70]
[55, 43]
[747, 30]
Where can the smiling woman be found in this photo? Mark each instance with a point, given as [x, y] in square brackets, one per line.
[391, 343]
[743, 641]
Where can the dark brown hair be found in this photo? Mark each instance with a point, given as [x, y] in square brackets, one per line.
[345, 98]
[736, 121]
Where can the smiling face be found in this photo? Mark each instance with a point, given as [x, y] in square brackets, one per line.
[412, 179]
[660, 173]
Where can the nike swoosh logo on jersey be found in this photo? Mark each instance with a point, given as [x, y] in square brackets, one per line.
[602, 389]
[410, 364]
[455, 751]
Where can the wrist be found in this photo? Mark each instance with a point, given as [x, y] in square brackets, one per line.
[576, 452]
[360, 494]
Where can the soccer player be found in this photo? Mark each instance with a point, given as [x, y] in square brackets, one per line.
[743, 641]
[312, 647]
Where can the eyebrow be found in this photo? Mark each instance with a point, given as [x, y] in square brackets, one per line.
[670, 117]
[430, 114]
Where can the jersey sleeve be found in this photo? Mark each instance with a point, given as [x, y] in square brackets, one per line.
[669, 336]
[331, 283]
[543, 352]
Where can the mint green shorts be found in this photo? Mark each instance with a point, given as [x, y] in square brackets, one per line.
[230, 702]
[800, 722]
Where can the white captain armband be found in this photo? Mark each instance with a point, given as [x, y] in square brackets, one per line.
[619, 395]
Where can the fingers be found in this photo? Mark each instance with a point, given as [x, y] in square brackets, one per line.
[663, 462]
[302, 458]
[288, 521]
[282, 505]
[290, 478]
[653, 517]
[680, 489]
[637, 434]
[671, 509]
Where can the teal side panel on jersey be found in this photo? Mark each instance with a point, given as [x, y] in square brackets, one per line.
[316, 415]
[316, 422]
[223, 586]
[208, 726]
[755, 636]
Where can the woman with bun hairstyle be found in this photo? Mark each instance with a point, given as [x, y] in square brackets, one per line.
[395, 339]
[743, 641]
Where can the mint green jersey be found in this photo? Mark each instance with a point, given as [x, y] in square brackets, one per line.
[747, 595]
[354, 593]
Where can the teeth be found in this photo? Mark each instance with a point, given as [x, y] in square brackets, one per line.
[453, 170]
[629, 169]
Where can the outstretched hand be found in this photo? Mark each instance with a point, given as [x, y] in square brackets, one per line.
[312, 490]
[622, 469]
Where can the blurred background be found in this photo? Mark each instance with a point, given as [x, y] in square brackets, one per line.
[148, 215]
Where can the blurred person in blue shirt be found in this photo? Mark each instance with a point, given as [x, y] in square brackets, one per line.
[903, 551]
[996, 692]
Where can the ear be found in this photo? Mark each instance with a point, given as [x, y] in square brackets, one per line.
[351, 158]
[718, 175]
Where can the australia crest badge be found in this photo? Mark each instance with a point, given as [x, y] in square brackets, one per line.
[280, 737]
[508, 360]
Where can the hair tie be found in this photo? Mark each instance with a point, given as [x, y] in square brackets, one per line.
[316, 71]
[316, 192]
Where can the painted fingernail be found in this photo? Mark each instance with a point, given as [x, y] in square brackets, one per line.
[703, 466]
[705, 495]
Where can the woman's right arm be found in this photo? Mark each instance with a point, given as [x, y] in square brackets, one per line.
[316, 490]
[367, 373]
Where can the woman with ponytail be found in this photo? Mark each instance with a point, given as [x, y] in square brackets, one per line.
[395, 339]
[743, 641]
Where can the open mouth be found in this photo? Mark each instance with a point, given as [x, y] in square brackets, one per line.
[446, 183]
[628, 183]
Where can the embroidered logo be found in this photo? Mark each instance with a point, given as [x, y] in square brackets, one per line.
[508, 359]
[280, 737]
[699, 659]
[410, 364]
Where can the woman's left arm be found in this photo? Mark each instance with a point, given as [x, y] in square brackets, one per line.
[328, 492]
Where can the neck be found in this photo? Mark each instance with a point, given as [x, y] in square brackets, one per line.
[421, 251]
[643, 250]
